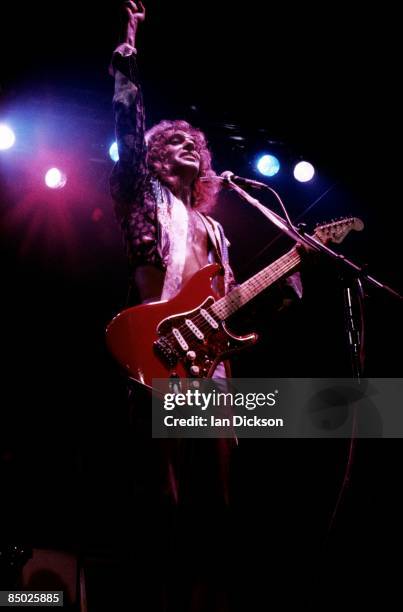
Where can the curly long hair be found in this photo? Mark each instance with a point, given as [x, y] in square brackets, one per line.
[203, 192]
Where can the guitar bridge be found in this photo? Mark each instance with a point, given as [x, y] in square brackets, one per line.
[166, 351]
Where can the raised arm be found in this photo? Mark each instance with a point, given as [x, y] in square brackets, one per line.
[135, 15]
[130, 170]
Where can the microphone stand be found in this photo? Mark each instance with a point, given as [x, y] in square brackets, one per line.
[299, 236]
[352, 275]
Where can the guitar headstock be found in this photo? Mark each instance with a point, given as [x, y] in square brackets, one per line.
[336, 231]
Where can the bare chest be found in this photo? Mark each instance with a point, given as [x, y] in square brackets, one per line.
[197, 246]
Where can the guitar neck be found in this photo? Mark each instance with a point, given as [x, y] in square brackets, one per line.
[241, 295]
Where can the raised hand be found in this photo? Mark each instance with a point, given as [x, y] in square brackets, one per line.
[135, 14]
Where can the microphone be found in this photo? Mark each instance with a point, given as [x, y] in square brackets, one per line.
[229, 177]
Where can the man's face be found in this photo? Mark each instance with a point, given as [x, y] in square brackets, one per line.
[181, 154]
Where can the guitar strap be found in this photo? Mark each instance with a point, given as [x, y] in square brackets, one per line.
[220, 245]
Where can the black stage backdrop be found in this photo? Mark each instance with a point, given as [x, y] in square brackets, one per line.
[313, 83]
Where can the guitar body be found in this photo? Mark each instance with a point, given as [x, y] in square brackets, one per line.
[174, 338]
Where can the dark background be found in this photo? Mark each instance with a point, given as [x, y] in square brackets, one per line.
[319, 84]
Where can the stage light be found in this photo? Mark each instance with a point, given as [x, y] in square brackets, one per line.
[113, 152]
[304, 171]
[268, 165]
[55, 179]
[7, 137]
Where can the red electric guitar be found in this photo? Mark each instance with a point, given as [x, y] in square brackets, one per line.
[187, 336]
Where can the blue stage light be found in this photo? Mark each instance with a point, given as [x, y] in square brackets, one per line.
[7, 137]
[113, 152]
[268, 165]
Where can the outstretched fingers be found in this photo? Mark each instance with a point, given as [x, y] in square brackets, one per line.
[135, 11]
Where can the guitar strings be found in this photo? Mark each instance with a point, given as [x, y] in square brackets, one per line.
[203, 325]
